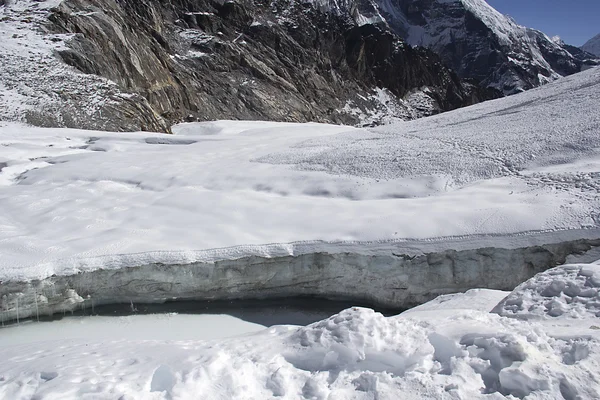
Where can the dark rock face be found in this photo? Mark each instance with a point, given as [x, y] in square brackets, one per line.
[280, 60]
[473, 39]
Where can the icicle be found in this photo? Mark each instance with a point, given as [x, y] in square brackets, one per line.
[37, 310]
[17, 310]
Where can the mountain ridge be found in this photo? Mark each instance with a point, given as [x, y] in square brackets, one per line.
[592, 45]
[208, 59]
[145, 65]
[473, 38]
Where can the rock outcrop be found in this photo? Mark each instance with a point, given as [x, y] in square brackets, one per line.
[209, 59]
[472, 38]
[205, 60]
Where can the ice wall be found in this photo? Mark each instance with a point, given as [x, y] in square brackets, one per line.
[384, 277]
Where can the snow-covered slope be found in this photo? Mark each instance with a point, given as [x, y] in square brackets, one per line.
[457, 351]
[38, 88]
[592, 45]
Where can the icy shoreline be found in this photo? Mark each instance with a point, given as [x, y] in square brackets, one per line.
[392, 275]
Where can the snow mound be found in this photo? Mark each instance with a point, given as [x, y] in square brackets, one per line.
[571, 291]
[360, 339]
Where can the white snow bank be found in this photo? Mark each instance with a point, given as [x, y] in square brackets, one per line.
[73, 200]
[454, 353]
[568, 292]
[474, 299]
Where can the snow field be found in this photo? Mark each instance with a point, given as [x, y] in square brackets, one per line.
[226, 184]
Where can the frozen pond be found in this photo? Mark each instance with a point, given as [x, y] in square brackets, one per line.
[172, 321]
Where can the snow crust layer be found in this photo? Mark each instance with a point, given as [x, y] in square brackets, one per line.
[456, 352]
[224, 190]
[386, 274]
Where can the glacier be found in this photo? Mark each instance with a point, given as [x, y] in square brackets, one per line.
[490, 200]
[487, 195]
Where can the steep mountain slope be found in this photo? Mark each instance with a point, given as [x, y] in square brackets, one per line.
[592, 45]
[205, 59]
[37, 87]
[471, 37]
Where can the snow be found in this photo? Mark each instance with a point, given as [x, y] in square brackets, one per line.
[451, 348]
[474, 299]
[571, 292]
[169, 326]
[75, 200]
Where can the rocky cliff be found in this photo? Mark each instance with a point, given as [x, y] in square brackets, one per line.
[145, 64]
[209, 59]
[472, 38]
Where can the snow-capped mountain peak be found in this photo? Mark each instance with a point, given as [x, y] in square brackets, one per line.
[472, 37]
[593, 45]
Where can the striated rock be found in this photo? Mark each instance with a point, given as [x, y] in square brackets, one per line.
[36, 87]
[472, 38]
[285, 61]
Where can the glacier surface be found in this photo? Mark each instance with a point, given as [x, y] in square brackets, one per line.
[224, 190]
[486, 195]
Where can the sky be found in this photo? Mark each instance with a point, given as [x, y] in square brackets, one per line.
[575, 21]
